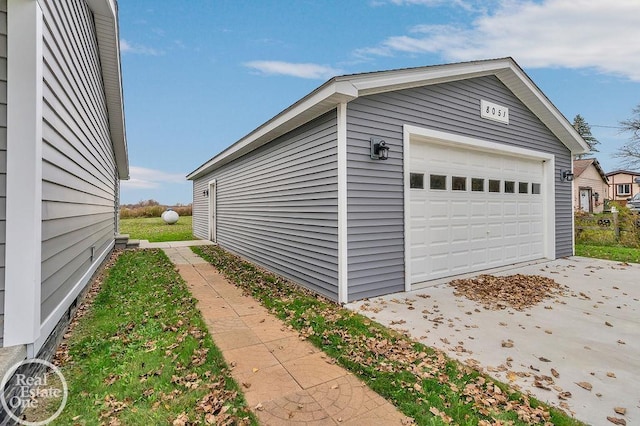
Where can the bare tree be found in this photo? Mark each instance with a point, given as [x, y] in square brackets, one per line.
[629, 153]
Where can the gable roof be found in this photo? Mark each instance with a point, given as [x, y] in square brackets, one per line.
[105, 15]
[623, 172]
[348, 87]
[579, 166]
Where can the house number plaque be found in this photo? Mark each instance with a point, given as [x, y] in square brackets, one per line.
[493, 111]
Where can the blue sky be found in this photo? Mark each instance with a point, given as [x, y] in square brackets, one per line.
[200, 74]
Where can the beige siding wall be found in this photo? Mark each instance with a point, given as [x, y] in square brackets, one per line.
[591, 179]
[622, 178]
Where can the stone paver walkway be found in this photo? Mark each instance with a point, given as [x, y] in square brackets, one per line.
[288, 379]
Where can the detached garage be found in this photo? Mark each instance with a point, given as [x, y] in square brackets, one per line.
[383, 182]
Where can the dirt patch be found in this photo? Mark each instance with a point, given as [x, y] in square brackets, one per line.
[512, 291]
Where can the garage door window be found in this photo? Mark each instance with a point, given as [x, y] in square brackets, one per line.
[416, 181]
[509, 187]
[535, 188]
[458, 183]
[477, 184]
[523, 187]
[437, 182]
[494, 185]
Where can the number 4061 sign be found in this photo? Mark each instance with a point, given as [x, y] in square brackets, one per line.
[494, 111]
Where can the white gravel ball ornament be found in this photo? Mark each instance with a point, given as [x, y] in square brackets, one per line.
[170, 217]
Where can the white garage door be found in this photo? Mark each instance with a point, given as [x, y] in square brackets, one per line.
[472, 210]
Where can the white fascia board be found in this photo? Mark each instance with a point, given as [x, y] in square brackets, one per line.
[505, 69]
[573, 216]
[103, 7]
[406, 162]
[349, 87]
[343, 258]
[415, 77]
[24, 173]
[524, 88]
[323, 99]
[107, 33]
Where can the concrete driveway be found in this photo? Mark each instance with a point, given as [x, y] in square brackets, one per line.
[590, 335]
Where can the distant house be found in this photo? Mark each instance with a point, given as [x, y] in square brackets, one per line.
[623, 184]
[64, 151]
[386, 181]
[590, 186]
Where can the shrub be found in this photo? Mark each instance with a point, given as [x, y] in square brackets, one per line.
[599, 229]
[144, 209]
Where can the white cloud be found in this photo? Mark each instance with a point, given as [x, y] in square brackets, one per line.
[143, 178]
[554, 33]
[138, 49]
[301, 70]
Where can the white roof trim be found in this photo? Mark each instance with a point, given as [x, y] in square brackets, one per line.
[348, 87]
[105, 13]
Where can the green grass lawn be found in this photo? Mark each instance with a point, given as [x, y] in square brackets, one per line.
[422, 382]
[142, 355]
[620, 254]
[155, 230]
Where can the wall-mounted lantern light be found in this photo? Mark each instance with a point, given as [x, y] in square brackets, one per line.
[205, 192]
[596, 196]
[567, 176]
[379, 149]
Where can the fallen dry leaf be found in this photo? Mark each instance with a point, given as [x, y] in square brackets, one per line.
[507, 344]
[555, 373]
[440, 414]
[543, 359]
[515, 291]
[538, 384]
[259, 407]
[611, 374]
[585, 385]
[181, 420]
[617, 421]
[620, 410]
[564, 395]
[608, 324]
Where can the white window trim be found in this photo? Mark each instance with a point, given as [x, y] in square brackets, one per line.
[618, 185]
[22, 308]
[343, 259]
[212, 203]
[548, 183]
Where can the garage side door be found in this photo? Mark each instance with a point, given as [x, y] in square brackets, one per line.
[472, 210]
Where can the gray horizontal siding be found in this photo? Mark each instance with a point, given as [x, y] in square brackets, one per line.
[3, 153]
[277, 206]
[78, 165]
[375, 197]
[200, 209]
